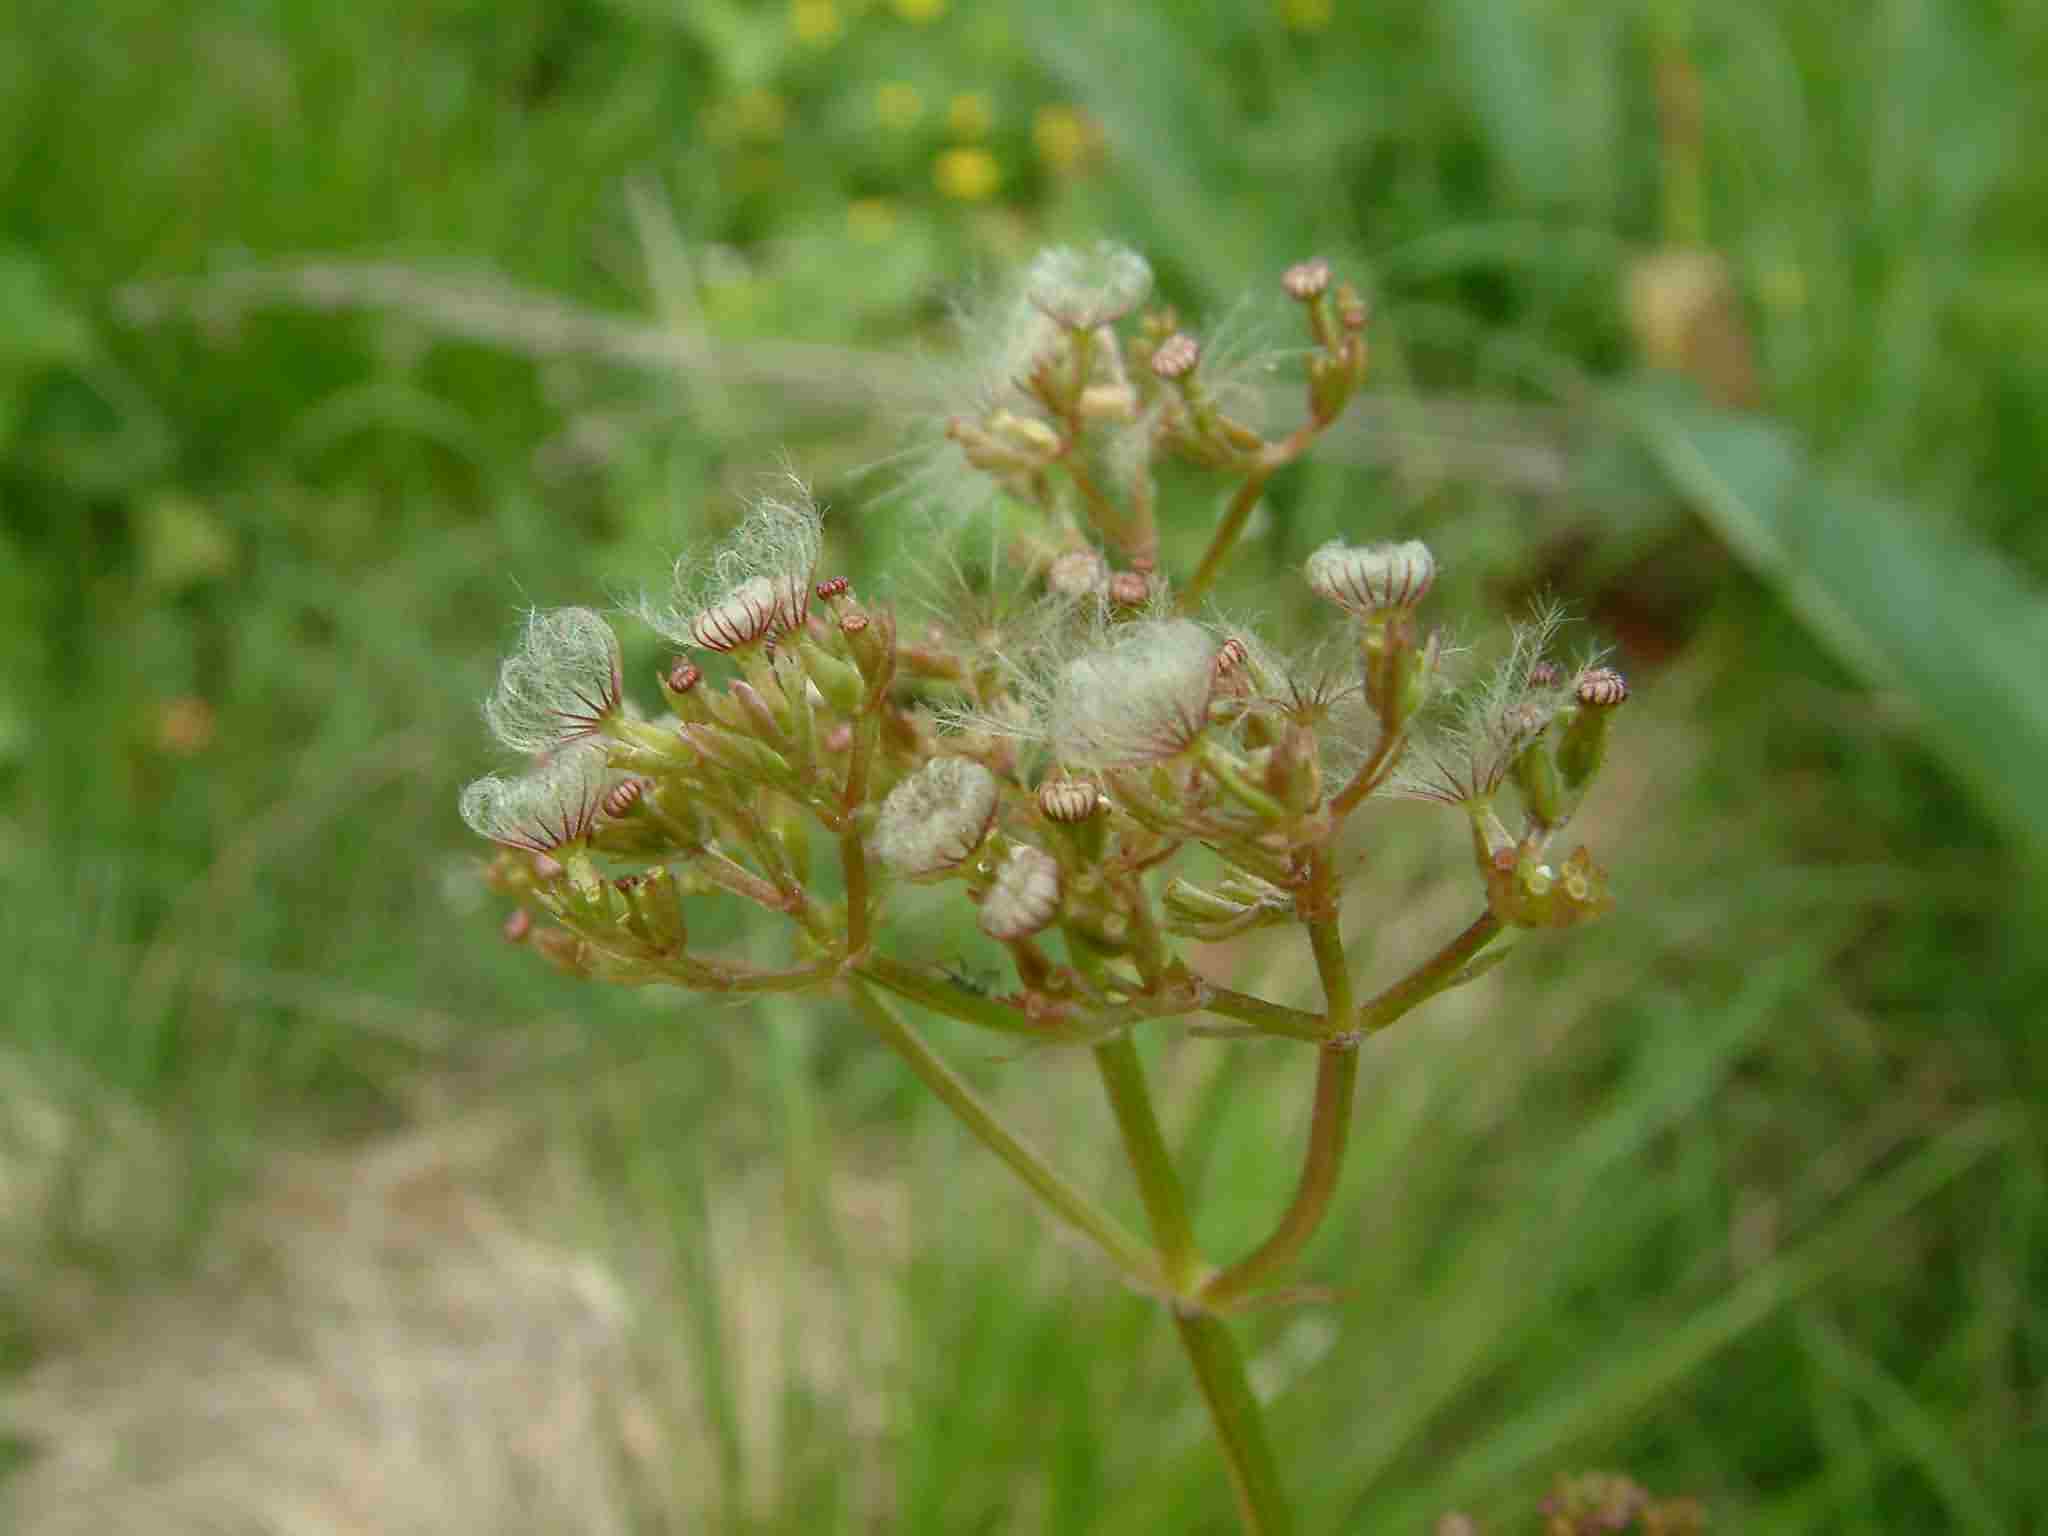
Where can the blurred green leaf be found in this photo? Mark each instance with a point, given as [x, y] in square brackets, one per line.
[182, 543]
[37, 331]
[1918, 609]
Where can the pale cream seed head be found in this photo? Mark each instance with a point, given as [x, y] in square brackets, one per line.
[755, 586]
[1084, 290]
[935, 819]
[1306, 280]
[742, 617]
[1371, 578]
[1025, 897]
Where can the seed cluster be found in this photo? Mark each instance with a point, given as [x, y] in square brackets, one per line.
[1054, 757]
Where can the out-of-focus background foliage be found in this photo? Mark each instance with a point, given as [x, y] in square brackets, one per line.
[333, 334]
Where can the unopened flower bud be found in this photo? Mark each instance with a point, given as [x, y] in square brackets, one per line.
[834, 586]
[681, 687]
[935, 819]
[1601, 688]
[1293, 772]
[1068, 800]
[1025, 897]
[1108, 402]
[1584, 746]
[1369, 579]
[1544, 674]
[1306, 280]
[1028, 437]
[839, 682]
[741, 756]
[654, 910]
[1175, 357]
[620, 799]
[1239, 904]
[1536, 777]
[1128, 589]
[518, 926]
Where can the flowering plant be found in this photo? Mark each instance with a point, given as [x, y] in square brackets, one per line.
[1058, 776]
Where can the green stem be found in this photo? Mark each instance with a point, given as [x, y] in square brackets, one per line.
[1227, 533]
[1267, 1018]
[1240, 1426]
[1115, 530]
[1148, 945]
[1368, 777]
[943, 996]
[1274, 456]
[1328, 945]
[1329, 1129]
[1123, 1078]
[853, 857]
[723, 870]
[1429, 978]
[1137, 1263]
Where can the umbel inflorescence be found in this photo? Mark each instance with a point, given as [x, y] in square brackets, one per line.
[1111, 776]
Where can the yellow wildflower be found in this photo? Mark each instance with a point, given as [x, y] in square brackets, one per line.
[814, 21]
[969, 115]
[971, 175]
[1065, 137]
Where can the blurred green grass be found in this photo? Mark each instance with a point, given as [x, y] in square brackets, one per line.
[1743, 1191]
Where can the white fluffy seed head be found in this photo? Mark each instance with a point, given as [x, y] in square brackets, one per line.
[1087, 289]
[755, 586]
[1076, 574]
[551, 805]
[1025, 897]
[1141, 698]
[562, 682]
[935, 819]
[1371, 578]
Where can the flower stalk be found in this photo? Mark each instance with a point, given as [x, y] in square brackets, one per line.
[1039, 766]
